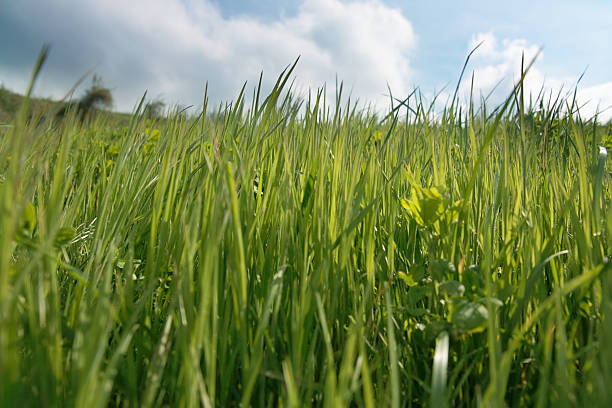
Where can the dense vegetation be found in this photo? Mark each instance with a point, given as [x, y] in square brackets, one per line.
[11, 101]
[279, 253]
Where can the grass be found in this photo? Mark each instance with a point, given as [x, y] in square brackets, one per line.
[279, 253]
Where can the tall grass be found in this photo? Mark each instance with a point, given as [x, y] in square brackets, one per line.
[279, 253]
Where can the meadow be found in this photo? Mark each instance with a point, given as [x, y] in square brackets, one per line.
[275, 251]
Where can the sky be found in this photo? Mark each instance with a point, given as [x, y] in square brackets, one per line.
[172, 48]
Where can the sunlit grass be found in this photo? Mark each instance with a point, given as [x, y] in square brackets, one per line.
[281, 254]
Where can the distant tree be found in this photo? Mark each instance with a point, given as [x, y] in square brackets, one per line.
[96, 97]
[154, 109]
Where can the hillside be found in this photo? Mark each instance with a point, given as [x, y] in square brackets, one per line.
[11, 101]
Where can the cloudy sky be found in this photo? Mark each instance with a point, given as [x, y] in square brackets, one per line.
[173, 47]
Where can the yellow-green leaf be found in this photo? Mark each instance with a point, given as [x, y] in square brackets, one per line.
[29, 217]
[64, 236]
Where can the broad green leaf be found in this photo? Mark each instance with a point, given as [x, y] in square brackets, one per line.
[469, 317]
[29, 217]
[451, 288]
[441, 269]
[408, 280]
[64, 236]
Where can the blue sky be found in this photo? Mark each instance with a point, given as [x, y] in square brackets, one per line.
[172, 47]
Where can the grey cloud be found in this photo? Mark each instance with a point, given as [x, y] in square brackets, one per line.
[173, 47]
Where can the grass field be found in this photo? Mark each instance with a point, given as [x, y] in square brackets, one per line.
[277, 254]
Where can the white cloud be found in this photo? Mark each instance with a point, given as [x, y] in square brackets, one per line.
[172, 47]
[496, 66]
[597, 99]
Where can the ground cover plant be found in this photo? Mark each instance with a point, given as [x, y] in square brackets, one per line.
[278, 252]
